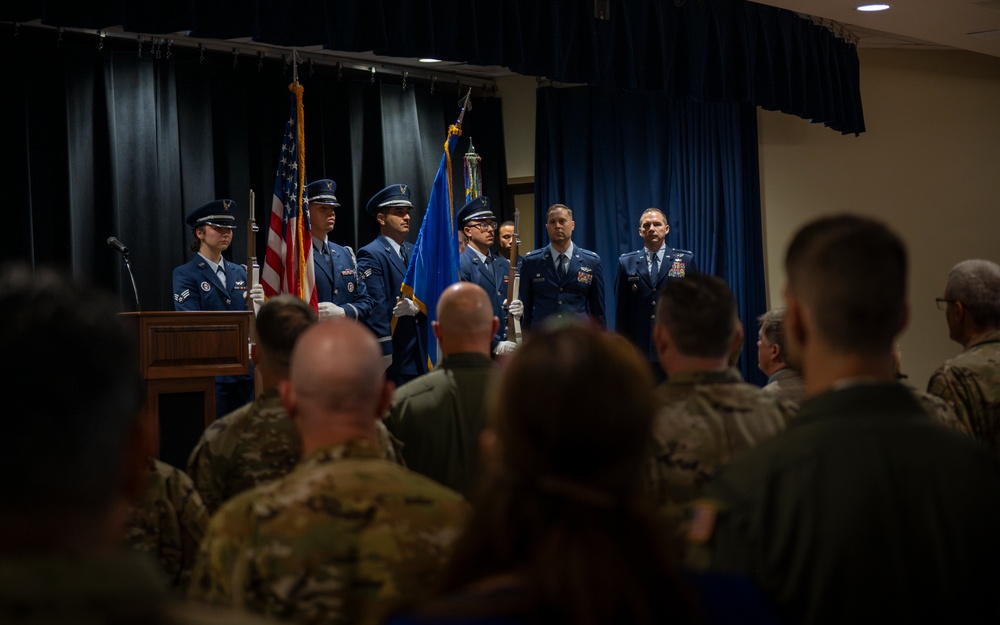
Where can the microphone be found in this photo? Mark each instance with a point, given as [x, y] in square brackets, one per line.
[115, 244]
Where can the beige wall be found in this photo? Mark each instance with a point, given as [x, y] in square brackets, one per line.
[929, 165]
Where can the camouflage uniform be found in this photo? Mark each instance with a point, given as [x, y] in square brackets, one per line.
[119, 588]
[787, 384]
[706, 418]
[970, 383]
[251, 446]
[338, 540]
[169, 521]
[939, 409]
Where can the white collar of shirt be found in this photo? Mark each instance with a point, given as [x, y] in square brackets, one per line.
[395, 246]
[214, 266]
[658, 253]
[320, 244]
[555, 254]
[482, 257]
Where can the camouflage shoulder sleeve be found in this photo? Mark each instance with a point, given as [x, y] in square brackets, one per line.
[169, 521]
[221, 557]
[210, 459]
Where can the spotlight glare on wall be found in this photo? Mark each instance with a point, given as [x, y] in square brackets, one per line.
[872, 7]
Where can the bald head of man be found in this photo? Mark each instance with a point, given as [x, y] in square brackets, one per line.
[465, 320]
[336, 390]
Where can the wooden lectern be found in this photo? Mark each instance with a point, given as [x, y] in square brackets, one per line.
[180, 354]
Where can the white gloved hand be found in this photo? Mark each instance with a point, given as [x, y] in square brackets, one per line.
[329, 310]
[516, 308]
[256, 294]
[505, 348]
[405, 308]
[387, 360]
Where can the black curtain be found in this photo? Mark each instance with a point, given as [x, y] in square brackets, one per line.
[709, 50]
[610, 155]
[105, 139]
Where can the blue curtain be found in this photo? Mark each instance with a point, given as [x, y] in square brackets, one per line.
[609, 155]
[709, 50]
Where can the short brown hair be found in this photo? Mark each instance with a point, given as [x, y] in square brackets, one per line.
[851, 273]
[555, 206]
[700, 313]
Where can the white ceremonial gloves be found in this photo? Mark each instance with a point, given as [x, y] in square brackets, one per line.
[329, 310]
[405, 308]
[505, 348]
[516, 308]
[256, 294]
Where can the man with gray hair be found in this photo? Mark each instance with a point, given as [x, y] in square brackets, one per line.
[970, 382]
[783, 381]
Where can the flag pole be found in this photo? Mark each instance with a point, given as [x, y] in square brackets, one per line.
[465, 106]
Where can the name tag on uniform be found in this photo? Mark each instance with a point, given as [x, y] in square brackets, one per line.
[633, 278]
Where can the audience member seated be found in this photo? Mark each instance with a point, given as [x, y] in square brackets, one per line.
[169, 522]
[783, 381]
[562, 531]
[970, 382]
[864, 509]
[75, 459]
[258, 443]
[707, 415]
[347, 531]
[438, 416]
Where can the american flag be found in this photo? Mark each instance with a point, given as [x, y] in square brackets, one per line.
[288, 265]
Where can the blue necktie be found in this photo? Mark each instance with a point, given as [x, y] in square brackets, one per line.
[654, 269]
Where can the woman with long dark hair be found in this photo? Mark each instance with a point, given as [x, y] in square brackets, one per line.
[562, 531]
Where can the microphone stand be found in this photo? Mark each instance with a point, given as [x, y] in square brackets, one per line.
[135, 291]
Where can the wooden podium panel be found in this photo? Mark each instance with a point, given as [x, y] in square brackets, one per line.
[181, 353]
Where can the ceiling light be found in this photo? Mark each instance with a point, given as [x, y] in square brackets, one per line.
[430, 60]
[872, 7]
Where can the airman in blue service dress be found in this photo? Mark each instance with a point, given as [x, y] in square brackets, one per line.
[198, 285]
[382, 267]
[579, 293]
[336, 268]
[490, 270]
[636, 291]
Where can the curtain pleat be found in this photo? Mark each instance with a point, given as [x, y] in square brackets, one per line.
[709, 50]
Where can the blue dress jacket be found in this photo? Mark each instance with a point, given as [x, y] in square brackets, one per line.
[544, 293]
[493, 277]
[337, 281]
[635, 293]
[403, 338]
